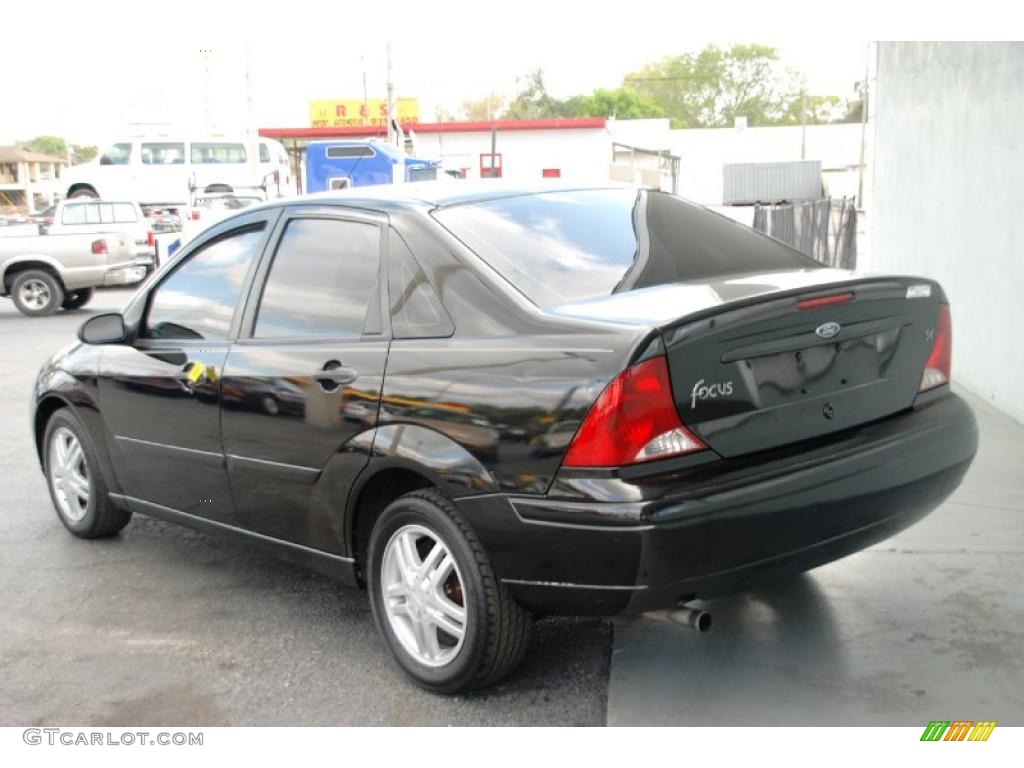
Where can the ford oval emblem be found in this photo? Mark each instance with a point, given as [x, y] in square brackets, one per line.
[828, 330]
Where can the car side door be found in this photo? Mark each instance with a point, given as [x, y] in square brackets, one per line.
[160, 392]
[303, 381]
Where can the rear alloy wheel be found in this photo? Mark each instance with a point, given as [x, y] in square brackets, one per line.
[75, 478]
[423, 595]
[77, 299]
[37, 293]
[446, 617]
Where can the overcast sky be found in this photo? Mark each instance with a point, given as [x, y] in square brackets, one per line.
[95, 68]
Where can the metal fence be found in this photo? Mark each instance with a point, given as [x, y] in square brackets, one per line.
[825, 230]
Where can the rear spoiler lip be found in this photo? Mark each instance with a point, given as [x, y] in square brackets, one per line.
[803, 292]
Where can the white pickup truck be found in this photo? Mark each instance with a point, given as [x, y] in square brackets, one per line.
[44, 273]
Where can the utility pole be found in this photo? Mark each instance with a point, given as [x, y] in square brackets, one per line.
[250, 114]
[803, 125]
[366, 102]
[207, 127]
[392, 136]
[863, 127]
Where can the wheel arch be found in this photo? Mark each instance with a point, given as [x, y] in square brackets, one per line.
[11, 267]
[69, 394]
[377, 488]
[82, 186]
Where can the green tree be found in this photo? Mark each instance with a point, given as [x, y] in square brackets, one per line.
[714, 87]
[47, 145]
[83, 153]
[623, 103]
[534, 101]
[485, 108]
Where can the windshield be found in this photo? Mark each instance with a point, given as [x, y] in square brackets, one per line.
[562, 247]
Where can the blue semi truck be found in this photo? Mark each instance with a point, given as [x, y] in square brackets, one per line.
[360, 163]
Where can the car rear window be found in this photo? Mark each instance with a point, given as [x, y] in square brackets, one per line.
[99, 213]
[566, 246]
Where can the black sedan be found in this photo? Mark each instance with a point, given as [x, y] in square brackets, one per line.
[687, 407]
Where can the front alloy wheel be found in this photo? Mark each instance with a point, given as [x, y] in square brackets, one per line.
[69, 474]
[75, 478]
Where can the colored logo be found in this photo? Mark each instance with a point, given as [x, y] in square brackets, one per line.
[958, 730]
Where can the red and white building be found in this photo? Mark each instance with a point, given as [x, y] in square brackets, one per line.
[568, 148]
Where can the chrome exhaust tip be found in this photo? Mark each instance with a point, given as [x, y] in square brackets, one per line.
[692, 618]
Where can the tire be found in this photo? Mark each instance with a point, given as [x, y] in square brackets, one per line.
[495, 629]
[77, 299]
[37, 293]
[84, 192]
[89, 515]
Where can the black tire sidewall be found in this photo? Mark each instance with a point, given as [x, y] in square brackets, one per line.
[420, 511]
[56, 292]
[64, 418]
[77, 299]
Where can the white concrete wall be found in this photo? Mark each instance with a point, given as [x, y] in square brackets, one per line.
[948, 178]
[704, 151]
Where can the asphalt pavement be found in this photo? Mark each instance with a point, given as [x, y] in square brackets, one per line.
[162, 625]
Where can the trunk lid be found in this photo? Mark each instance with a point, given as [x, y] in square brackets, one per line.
[770, 369]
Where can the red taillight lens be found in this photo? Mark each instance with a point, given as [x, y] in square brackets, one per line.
[824, 301]
[195, 215]
[939, 366]
[633, 420]
[150, 239]
[99, 246]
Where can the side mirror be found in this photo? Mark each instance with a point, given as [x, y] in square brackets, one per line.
[107, 328]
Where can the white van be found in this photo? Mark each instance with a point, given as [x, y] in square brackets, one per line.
[164, 172]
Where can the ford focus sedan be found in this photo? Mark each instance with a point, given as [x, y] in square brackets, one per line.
[487, 403]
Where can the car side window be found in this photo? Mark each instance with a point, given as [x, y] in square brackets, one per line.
[321, 280]
[73, 214]
[416, 310]
[197, 300]
[118, 154]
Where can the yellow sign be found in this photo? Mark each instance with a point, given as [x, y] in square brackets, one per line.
[342, 113]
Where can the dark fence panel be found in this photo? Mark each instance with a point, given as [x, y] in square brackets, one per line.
[825, 230]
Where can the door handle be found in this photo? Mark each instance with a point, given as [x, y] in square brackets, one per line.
[193, 373]
[334, 375]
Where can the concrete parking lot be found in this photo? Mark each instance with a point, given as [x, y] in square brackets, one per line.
[161, 625]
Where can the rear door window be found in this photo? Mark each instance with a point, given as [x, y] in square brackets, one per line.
[322, 280]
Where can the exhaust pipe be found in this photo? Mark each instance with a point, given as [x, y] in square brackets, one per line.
[693, 618]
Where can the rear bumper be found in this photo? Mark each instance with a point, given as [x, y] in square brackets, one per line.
[127, 274]
[608, 545]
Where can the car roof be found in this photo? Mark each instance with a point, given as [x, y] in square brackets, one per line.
[445, 193]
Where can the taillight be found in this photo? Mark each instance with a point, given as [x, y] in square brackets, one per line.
[99, 246]
[195, 215]
[150, 239]
[632, 421]
[824, 301]
[938, 368]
